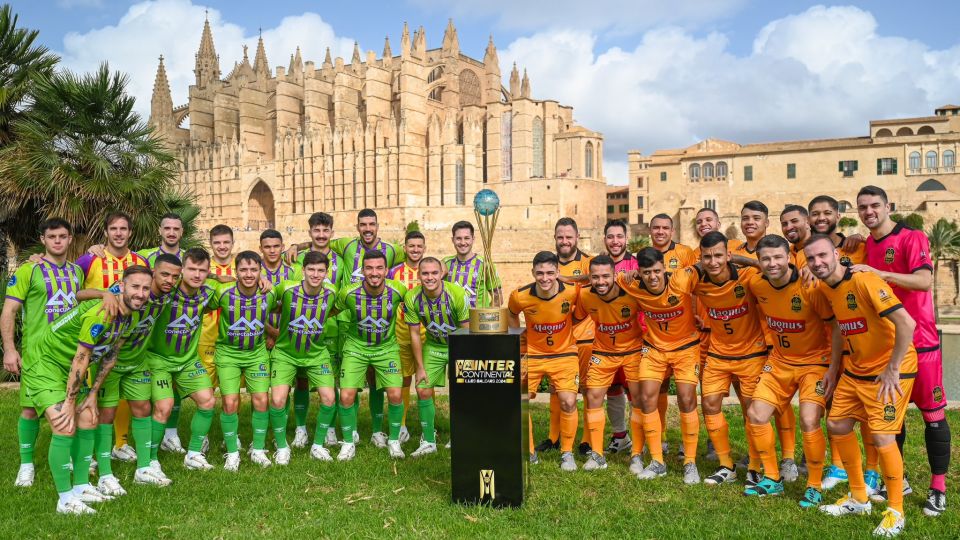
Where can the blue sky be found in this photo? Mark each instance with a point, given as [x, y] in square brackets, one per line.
[676, 70]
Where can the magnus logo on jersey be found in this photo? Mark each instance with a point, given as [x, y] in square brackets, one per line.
[729, 313]
[484, 371]
[549, 328]
[614, 328]
[663, 315]
[785, 326]
[849, 327]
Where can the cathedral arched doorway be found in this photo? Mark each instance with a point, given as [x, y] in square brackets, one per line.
[260, 211]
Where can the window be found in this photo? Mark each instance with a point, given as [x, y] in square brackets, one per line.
[663, 176]
[848, 167]
[640, 181]
[893, 207]
[721, 169]
[461, 185]
[588, 160]
[609, 208]
[710, 203]
[695, 172]
[506, 146]
[845, 206]
[914, 161]
[538, 148]
[931, 160]
[748, 173]
[949, 159]
[640, 218]
[886, 166]
[624, 208]
[708, 170]
[639, 201]
[931, 185]
[791, 171]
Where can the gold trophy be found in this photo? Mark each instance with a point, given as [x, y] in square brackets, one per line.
[493, 319]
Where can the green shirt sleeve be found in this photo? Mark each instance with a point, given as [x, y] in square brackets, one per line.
[339, 244]
[93, 326]
[461, 311]
[19, 285]
[410, 312]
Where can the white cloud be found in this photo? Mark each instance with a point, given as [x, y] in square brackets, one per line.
[173, 28]
[619, 16]
[824, 72]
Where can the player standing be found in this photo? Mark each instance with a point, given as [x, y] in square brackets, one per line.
[465, 268]
[414, 245]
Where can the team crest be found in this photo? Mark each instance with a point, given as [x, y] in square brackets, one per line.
[851, 301]
[889, 255]
[819, 389]
[844, 260]
[937, 394]
[565, 307]
[576, 272]
[673, 263]
[696, 369]
[625, 312]
[767, 368]
[576, 380]
[889, 412]
[883, 294]
[12, 282]
[795, 303]
[96, 330]
[739, 291]
[673, 300]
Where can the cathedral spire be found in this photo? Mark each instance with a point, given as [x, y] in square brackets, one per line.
[327, 61]
[356, 55]
[207, 67]
[161, 104]
[296, 62]
[405, 42]
[420, 43]
[514, 82]
[451, 44]
[387, 53]
[490, 58]
[525, 85]
[260, 64]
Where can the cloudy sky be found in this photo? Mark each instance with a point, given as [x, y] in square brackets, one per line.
[649, 74]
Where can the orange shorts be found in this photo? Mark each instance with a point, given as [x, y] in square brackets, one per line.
[584, 349]
[561, 368]
[780, 381]
[683, 364]
[604, 367]
[857, 399]
[718, 375]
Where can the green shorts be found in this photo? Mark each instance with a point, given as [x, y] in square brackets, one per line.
[44, 398]
[25, 401]
[188, 378]
[255, 374]
[132, 384]
[320, 374]
[385, 363]
[435, 364]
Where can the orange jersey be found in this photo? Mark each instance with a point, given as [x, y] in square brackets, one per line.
[670, 314]
[853, 256]
[797, 257]
[731, 314]
[731, 246]
[794, 316]
[861, 301]
[678, 256]
[579, 265]
[549, 320]
[102, 272]
[617, 326]
[743, 249]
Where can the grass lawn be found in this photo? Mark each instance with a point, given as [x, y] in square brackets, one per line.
[374, 497]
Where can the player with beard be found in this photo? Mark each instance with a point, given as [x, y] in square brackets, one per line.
[407, 272]
[466, 269]
[824, 218]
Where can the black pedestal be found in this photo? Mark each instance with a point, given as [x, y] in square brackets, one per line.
[488, 418]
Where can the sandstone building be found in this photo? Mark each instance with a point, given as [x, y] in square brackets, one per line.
[413, 135]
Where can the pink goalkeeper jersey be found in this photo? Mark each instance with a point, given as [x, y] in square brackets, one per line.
[628, 262]
[904, 251]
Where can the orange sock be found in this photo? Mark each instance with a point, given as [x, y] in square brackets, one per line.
[873, 457]
[596, 422]
[530, 423]
[554, 417]
[636, 431]
[662, 410]
[690, 433]
[568, 430]
[787, 429]
[849, 448]
[651, 435]
[891, 463]
[814, 448]
[755, 464]
[766, 445]
[835, 459]
[719, 433]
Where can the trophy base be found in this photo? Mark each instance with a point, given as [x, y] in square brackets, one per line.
[491, 320]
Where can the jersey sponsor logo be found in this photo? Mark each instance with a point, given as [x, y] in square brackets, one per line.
[849, 327]
[357, 275]
[739, 291]
[785, 326]
[549, 328]
[440, 329]
[625, 312]
[183, 325]
[96, 330]
[306, 326]
[728, 313]
[373, 325]
[614, 328]
[796, 304]
[851, 301]
[61, 301]
[889, 412]
[663, 315]
[883, 295]
[889, 255]
[245, 327]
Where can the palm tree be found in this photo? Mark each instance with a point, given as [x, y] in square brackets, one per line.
[944, 244]
[637, 243]
[81, 152]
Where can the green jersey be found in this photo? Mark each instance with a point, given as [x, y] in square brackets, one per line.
[45, 290]
[243, 321]
[303, 319]
[334, 271]
[439, 316]
[141, 326]
[469, 274]
[85, 325]
[351, 249]
[369, 320]
[176, 332]
[284, 272]
[151, 254]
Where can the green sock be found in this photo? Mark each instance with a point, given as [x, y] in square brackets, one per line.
[336, 406]
[278, 421]
[156, 435]
[428, 413]
[174, 419]
[229, 424]
[58, 459]
[27, 430]
[83, 455]
[324, 421]
[348, 422]
[301, 404]
[104, 449]
[395, 418]
[376, 409]
[199, 427]
[261, 425]
[141, 429]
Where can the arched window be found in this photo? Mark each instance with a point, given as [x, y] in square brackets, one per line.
[708, 170]
[538, 146]
[721, 169]
[931, 185]
[469, 88]
[461, 185]
[695, 172]
[845, 206]
[884, 133]
[949, 158]
[435, 74]
[931, 160]
[914, 161]
[925, 130]
[588, 160]
[904, 131]
[436, 94]
[506, 145]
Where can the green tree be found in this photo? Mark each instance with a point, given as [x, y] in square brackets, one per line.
[944, 245]
[637, 243]
[847, 222]
[413, 226]
[912, 220]
[80, 152]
